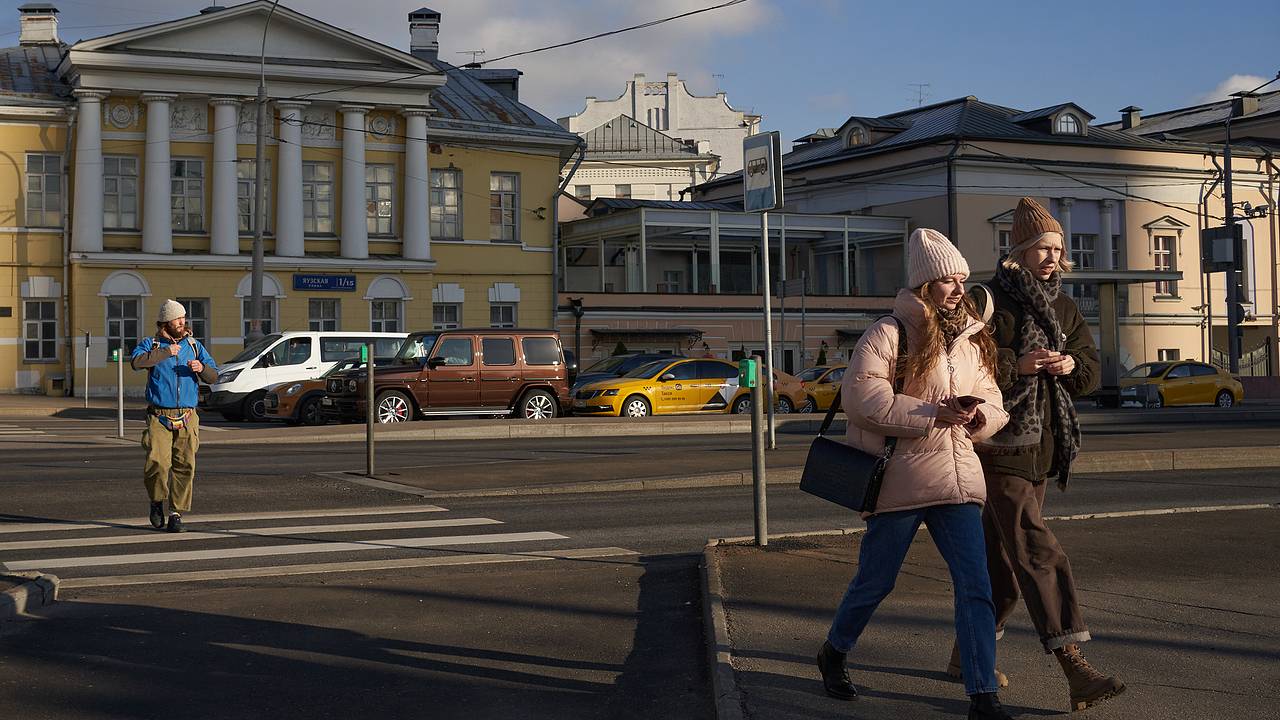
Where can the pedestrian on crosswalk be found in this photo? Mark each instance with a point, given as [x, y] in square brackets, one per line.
[175, 362]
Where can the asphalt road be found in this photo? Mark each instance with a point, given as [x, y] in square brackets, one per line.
[575, 605]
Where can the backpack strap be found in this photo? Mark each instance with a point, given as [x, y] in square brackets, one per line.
[985, 300]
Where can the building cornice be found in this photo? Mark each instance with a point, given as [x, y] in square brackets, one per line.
[244, 262]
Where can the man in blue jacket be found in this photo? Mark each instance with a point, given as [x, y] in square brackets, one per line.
[173, 360]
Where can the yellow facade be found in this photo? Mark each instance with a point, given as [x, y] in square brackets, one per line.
[474, 264]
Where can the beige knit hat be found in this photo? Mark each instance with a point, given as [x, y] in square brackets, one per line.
[171, 310]
[1030, 221]
[930, 255]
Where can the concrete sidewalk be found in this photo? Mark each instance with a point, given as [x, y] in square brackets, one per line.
[1182, 608]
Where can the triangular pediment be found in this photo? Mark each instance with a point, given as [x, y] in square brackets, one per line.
[1166, 222]
[1004, 218]
[236, 32]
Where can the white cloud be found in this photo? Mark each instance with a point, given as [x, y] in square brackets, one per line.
[1233, 84]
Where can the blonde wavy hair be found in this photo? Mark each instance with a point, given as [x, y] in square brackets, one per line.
[920, 360]
[1013, 260]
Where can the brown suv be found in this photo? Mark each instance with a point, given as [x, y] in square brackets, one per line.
[490, 371]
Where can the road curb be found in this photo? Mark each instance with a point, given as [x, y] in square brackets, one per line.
[39, 590]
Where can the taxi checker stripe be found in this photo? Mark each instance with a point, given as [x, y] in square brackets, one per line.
[272, 550]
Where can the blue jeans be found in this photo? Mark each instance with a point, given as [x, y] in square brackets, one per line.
[957, 533]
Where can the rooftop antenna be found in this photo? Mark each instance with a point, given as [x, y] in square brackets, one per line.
[717, 77]
[475, 57]
[922, 92]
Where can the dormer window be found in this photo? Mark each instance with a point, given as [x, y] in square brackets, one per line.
[1068, 124]
[857, 136]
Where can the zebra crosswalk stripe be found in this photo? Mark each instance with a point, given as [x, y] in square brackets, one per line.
[140, 522]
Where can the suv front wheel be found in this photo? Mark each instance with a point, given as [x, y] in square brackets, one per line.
[393, 407]
[537, 405]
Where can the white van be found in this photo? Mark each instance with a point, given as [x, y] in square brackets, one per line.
[286, 357]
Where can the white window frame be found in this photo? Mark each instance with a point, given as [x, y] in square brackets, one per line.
[384, 323]
[44, 206]
[198, 320]
[115, 324]
[311, 217]
[505, 202]
[1004, 242]
[378, 211]
[582, 192]
[443, 213]
[1079, 253]
[115, 219]
[246, 197]
[269, 314]
[445, 323]
[319, 317]
[1165, 288]
[622, 191]
[184, 189]
[1068, 124]
[33, 330]
[497, 310]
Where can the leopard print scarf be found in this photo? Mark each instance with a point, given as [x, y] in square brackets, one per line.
[1040, 329]
[953, 322]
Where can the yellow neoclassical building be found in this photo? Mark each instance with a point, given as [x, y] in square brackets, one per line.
[402, 193]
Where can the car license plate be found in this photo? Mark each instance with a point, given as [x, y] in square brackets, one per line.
[326, 401]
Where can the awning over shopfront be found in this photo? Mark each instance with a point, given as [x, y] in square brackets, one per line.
[685, 336]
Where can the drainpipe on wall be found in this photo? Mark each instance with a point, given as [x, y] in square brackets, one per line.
[555, 235]
[68, 348]
[1270, 194]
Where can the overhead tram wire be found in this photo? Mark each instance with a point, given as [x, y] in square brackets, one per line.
[426, 73]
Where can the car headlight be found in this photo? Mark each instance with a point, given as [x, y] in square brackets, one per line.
[293, 389]
[610, 393]
[351, 386]
[228, 376]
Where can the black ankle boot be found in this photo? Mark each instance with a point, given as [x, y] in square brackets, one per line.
[156, 515]
[986, 706]
[835, 678]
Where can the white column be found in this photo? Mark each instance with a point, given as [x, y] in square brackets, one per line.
[289, 234]
[1104, 242]
[225, 223]
[157, 221]
[86, 218]
[1065, 209]
[415, 242]
[354, 242]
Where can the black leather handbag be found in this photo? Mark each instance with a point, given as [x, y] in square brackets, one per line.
[844, 474]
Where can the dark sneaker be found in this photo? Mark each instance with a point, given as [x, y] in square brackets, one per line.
[157, 515]
[175, 522]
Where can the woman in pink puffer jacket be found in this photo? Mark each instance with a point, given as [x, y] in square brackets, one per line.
[949, 400]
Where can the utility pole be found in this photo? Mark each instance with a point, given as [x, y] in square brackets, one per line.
[259, 193]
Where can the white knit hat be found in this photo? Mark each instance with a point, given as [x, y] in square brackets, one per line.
[171, 310]
[930, 255]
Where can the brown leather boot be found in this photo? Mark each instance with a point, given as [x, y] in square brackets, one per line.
[1088, 686]
[956, 672]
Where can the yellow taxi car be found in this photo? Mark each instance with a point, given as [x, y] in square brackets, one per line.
[1158, 384]
[675, 385]
[820, 386]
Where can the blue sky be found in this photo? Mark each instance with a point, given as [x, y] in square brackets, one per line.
[805, 64]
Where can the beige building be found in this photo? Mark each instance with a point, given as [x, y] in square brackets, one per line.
[402, 192]
[1132, 206]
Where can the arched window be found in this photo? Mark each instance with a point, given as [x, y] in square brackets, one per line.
[272, 291]
[1068, 124]
[386, 298]
[857, 136]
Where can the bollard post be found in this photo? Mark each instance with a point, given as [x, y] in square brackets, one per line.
[86, 371]
[366, 352]
[757, 455]
[119, 358]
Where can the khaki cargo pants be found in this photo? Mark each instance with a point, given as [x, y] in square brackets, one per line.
[170, 467]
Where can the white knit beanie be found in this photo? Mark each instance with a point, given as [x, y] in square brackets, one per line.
[171, 310]
[930, 255]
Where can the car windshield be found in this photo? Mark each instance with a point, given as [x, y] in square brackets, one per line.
[415, 348]
[648, 370]
[256, 349]
[1148, 370]
[609, 365]
[811, 374]
[343, 366]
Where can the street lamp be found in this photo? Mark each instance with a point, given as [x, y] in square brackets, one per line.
[575, 306]
[259, 192]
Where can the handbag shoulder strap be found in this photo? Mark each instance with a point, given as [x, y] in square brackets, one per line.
[985, 301]
[890, 442]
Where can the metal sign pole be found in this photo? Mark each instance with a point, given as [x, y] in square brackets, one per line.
[120, 393]
[86, 370]
[758, 482]
[768, 325]
[370, 415]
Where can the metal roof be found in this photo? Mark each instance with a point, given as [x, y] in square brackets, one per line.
[1047, 112]
[465, 102]
[625, 138]
[27, 76]
[602, 206]
[1197, 116]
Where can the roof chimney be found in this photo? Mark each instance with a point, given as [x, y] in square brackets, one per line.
[424, 34]
[39, 24]
[1243, 103]
[1130, 117]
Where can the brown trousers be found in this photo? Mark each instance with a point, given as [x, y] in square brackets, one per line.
[170, 468]
[1022, 553]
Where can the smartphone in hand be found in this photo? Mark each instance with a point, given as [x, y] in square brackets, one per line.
[968, 402]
